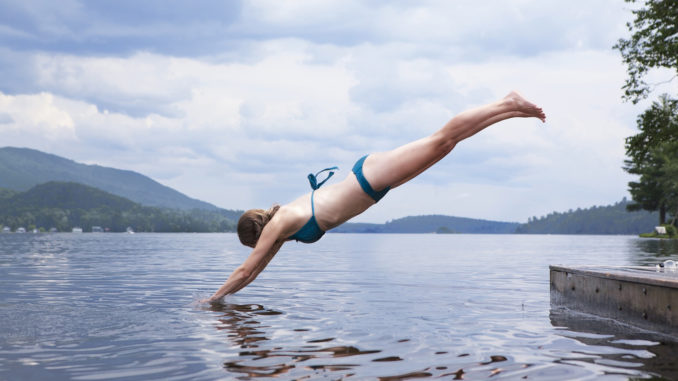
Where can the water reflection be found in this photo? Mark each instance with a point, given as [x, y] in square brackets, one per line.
[91, 307]
[263, 348]
[648, 251]
[259, 359]
[611, 347]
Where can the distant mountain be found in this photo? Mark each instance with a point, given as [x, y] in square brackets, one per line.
[23, 168]
[6, 193]
[431, 224]
[611, 219]
[64, 205]
[64, 195]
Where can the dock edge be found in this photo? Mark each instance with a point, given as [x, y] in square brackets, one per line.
[638, 299]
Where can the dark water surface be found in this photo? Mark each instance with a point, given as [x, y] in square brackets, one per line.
[120, 306]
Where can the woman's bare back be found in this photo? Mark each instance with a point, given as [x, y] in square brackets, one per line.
[334, 204]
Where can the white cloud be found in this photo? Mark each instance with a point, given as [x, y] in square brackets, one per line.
[34, 117]
[294, 87]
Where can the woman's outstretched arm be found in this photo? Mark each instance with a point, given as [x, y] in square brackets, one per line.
[266, 248]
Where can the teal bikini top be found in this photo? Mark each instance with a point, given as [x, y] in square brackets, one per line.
[311, 232]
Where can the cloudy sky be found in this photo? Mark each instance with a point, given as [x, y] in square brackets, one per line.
[236, 102]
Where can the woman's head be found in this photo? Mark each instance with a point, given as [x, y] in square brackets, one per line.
[252, 222]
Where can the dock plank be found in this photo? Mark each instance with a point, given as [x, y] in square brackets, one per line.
[635, 295]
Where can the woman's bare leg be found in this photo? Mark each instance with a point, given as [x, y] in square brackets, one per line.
[396, 167]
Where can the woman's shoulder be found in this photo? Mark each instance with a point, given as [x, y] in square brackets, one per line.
[289, 218]
[292, 211]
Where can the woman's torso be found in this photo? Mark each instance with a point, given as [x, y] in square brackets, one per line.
[334, 204]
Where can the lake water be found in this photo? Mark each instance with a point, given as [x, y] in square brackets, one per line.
[122, 307]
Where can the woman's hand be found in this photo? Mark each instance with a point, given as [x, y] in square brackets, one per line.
[211, 300]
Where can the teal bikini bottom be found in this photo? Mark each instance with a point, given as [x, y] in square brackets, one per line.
[367, 188]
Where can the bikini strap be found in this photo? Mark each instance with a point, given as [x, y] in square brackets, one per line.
[313, 179]
[312, 206]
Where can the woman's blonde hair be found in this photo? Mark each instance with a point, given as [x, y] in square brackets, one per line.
[252, 222]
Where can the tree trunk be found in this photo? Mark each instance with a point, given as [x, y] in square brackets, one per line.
[662, 215]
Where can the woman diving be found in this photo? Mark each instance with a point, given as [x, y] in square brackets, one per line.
[307, 218]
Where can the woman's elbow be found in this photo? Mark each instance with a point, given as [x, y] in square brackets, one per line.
[243, 273]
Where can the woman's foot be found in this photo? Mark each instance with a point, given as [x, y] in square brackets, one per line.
[523, 107]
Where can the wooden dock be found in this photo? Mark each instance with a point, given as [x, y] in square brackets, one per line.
[642, 296]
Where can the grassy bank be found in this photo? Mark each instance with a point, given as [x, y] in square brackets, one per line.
[670, 233]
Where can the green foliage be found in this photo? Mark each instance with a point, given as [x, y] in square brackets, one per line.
[613, 219]
[658, 124]
[670, 233]
[666, 175]
[653, 44]
[67, 205]
[652, 154]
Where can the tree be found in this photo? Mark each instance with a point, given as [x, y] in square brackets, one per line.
[658, 125]
[666, 156]
[653, 44]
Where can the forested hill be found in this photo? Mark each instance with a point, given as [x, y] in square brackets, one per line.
[431, 224]
[612, 219]
[23, 168]
[65, 205]
[65, 196]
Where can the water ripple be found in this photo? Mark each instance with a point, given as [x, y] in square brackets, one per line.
[386, 307]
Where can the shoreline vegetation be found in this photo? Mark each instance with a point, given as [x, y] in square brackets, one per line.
[45, 192]
[658, 236]
[62, 206]
[670, 233]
